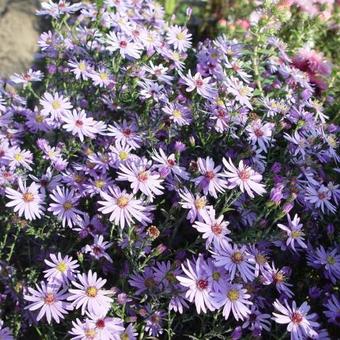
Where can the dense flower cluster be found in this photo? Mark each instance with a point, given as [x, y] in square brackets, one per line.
[145, 181]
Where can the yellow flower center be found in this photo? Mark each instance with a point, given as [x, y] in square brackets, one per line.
[56, 104]
[82, 66]
[216, 276]
[103, 76]
[62, 267]
[18, 157]
[124, 336]
[260, 259]
[99, 183]
[296, 234]
[39, 118]
[180, 36]
[90, 333]
[200, 203]
[68, 205]
[237, 257]
[122, 201]
[28, 197]
[91, 292]
[123, 155]
[177, 113]
[233, 294]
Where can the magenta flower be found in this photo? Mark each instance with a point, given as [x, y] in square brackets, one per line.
[89, 294]
[245, 177]
[198, 281]
[61, 269]
[235, 260]
[233, 298]
[123, 207]
[300, 324]
[50, 299]
[27, 201]
[65, 206]
[210, 181]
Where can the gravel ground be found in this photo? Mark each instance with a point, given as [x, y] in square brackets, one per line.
[19, 31]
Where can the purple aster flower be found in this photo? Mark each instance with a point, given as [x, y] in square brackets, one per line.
[242, 92]
[61, 269]
[245, 177]
[89, 294]
[260, 134]
[329, 260]
[154, 324]
[83, 330]
[145, 281]
[106, 327]
[179, 37]
[214, 229]
[65, 206]
[98, 248]
[300, 324]
[333, 310]
[50, 299]
[197, 205]
[235, 260]
[257, 321]
[5, 332]
[126, 47]
[177, 113]
[210, 181]
[320, 198]
[198, 281]
[278, 277]
[233, 297]
[129, 333]
[55, 105]
[123, 207]
[27, 201]
[294, 233]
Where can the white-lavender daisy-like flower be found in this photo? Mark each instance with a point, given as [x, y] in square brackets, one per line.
[62, 269]
[125, 133]
[123, 207]
[245, 177]
[202, 85]
[55, 105]
[320, 198]
[214, 229]
[50, 300]
[300, 324]
[65, 206]
[28, 201]
[179, 37]
[89, 295]
[124, 44]
[98, 248]
[294, 233]
[235, 260]
[233, 298]
[260, 134]
[17, 157]
[211, 180]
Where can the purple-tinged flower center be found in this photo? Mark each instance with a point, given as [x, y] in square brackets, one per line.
[216, 229]
[79, 123]
[143, 176]
[91, 291]
[233, 294]
[28, 197]
[244, 175]
[296, 317]
[123, 44]
[171, 162]
[322, 195]
[202, 284]
[209, 174]
[100, 323]
[237, 257]
[127, 132]
[155, 319]
[199, 83]
[49, 298]
[124, 336]
[97, 250]
[39, 118]
[260, 259]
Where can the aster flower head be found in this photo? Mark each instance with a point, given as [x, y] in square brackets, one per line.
[50, 299]
[260, 134]
[5, 332]
[197, 205]
[300, 323]
[245, 177]
[211, 180]
[64, 206]
[28, 201]
[154, 323]
[177, 113]
[106, 327]
[125, 46]
[123, 207]
[62, 269]
[55, 105]
[144, 282]
[332, 311]
[235, 260]
[17, 157]
[294, 233]
[179, 37]
[198, 282]
[125, 133]
[89, 294]
[214, 229]
[98, 248]
[233, 298]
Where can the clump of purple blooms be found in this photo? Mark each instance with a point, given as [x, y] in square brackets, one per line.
[153, 188]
